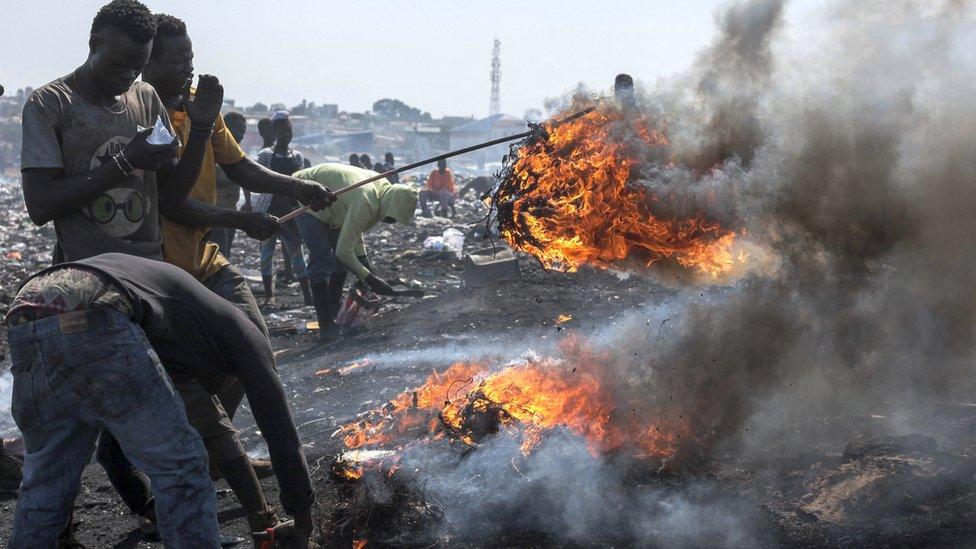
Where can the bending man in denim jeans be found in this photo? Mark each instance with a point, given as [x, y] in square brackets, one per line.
[84, 341]
[91, 368]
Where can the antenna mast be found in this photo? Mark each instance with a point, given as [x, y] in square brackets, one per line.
[495, 107]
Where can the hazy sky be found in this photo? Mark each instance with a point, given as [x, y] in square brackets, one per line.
[432, 54]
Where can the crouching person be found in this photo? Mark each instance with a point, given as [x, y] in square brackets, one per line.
[334, 235]
[88, 341]
[82, 364]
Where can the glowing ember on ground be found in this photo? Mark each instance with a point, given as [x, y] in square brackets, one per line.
[567, 198]
[355, 366]
[470, 402]
[563, 319]
[345, 370]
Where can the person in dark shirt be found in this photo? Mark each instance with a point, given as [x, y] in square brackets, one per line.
[266, 133]
[388, 164]
[228, 192]
[286, 161]
[365, 161]
[101, 330]
[354, 160]
[623, 90]
[184, 229]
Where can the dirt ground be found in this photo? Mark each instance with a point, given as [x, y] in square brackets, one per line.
[818, 496]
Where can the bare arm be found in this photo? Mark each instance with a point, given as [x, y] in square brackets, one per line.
[176, 180]
[49, 194]
[254, 177]
[199, 214]
[202, 108]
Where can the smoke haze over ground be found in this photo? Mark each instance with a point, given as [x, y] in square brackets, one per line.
[849, 158]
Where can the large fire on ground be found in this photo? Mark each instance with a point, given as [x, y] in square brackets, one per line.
[567, 196]
[471, 401]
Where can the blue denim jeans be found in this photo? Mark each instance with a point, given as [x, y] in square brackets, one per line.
[320, 239]
[290, 239]
[79, 373]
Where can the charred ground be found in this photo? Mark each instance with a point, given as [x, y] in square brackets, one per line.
[831, 480]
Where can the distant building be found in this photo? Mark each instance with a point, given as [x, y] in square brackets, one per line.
[328, 110]
[486, 129]
[451, 122]
[424, 140]
[338, 141]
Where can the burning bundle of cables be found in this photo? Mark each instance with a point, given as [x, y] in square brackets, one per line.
[565, 195]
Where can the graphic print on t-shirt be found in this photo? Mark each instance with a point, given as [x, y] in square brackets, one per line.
[119, 211]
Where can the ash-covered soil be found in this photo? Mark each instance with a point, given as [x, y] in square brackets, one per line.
[874, 491]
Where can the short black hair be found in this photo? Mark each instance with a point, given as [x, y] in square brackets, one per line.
[279, 122]
[235, 117]
[265, 131]
[388, 156]
[623, 81]
[167, 25]
[129, 16]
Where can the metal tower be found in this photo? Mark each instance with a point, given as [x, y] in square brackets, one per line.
[495, 107]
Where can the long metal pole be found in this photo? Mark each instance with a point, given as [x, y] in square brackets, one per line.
[303, 209]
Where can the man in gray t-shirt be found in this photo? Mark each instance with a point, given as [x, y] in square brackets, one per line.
[63, 130]
[85, 165]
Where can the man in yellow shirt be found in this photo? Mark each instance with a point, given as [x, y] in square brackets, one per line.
[184, 228]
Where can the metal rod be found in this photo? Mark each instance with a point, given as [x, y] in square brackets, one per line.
[303, 209]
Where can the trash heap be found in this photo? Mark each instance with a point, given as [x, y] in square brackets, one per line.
[24, 247]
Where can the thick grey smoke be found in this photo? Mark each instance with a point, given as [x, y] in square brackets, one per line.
[848, 152]
[854, 163]
[733, 74]
[564, 493]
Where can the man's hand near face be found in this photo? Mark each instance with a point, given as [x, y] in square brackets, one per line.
[203, 107]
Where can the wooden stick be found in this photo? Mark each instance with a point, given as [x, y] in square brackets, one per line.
[292, 215]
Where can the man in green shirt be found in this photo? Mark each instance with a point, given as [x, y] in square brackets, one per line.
[334, 235]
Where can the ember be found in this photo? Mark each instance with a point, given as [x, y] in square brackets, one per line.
[567, 198]
[470, 401]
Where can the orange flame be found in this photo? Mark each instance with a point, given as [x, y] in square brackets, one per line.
[569, 203]
[529, 398]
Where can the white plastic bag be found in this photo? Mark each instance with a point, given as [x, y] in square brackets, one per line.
[160, 133]
[451, 241]
[454, 241]
[434, 244]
